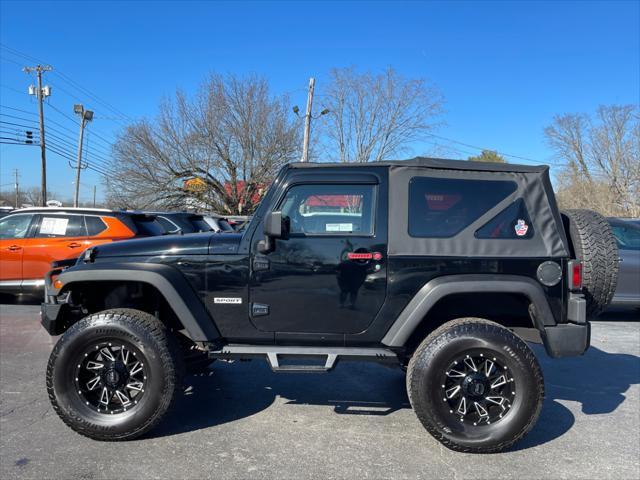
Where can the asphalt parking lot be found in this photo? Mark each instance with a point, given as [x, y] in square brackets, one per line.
[243, 421]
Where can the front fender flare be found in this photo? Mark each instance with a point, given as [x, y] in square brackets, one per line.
[438, 288]
[171, 284]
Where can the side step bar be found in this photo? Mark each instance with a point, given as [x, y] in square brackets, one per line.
[329, 355]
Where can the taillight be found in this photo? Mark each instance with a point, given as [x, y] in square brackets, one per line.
[575, 275]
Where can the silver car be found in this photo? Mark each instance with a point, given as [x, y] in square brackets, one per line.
[627, 233]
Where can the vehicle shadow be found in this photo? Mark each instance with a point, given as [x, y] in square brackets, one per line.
[596, 381]
[20, 299]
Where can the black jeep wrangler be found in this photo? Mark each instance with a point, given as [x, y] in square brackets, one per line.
[443, 268]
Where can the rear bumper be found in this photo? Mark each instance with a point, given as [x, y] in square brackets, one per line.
[569, 339]
[566, 340]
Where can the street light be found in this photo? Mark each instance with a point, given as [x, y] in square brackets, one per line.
[85, 116]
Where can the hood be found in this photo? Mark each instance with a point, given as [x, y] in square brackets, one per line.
[190, 244]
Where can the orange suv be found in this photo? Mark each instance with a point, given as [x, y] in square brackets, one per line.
[32, 238]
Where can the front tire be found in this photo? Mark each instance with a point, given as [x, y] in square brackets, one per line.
[475, 386]
[114, 374]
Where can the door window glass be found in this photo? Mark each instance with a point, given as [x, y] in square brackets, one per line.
[443, 207]
[329, 209]
[52, 226]
[15, 226]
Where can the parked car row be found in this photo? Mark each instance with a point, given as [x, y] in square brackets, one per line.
[32, 238]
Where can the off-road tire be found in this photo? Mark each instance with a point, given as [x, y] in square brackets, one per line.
[156, 348]
[427, 368]
[595, 246]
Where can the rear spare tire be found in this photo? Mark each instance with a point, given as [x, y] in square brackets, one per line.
[595, 246]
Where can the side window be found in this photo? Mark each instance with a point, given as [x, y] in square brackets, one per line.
[95, 225]
[329, 209]
[168, 225]
[15, 226]
[52, 226]
[627, 236]
[443, 207]
[512, 222]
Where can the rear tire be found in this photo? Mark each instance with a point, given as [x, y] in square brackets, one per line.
[595, 246]
[114, 374]
[475, 386]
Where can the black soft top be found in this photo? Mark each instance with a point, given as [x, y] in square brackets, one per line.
[533, 187]
[436, 163]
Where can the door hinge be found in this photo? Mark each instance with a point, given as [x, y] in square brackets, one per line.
[259, 309]
[260, 264]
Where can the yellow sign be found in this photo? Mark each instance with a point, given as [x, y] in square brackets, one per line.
[195, 185]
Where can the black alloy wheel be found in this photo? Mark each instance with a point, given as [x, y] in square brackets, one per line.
[111, 376]
[475, 386]
[114, 374]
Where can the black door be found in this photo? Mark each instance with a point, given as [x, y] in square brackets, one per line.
[330, 275]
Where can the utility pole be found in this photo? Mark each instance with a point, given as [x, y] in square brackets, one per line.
[307, 121]
[94, 196]
[40, 93]
[85, 116]
[15, 171]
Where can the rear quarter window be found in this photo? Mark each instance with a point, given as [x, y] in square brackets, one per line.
[511, 223]
[147, 226]
[443, 207]
[199, 224]
[95, 225]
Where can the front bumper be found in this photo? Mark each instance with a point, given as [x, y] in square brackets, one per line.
[50, 318]
[53, 308]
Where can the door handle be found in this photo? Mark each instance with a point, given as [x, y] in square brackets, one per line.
[377, 256]
[74, 245]
[13, 248]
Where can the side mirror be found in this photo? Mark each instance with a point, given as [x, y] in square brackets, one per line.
[275, 226]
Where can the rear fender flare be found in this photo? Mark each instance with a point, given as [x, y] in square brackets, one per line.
[171, 284]
[438, 288]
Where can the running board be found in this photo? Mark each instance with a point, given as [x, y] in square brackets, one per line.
[329, 355]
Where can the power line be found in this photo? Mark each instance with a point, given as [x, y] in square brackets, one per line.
[71, 82]
[18, 118]
[18, 110]
[61, 136]
[107, 142]
[66, 155]
[11, 88]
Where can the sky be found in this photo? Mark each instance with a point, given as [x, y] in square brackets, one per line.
[504, 68]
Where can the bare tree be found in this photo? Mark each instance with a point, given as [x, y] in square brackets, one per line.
[603, 159]
[233, 136]
[374, 117]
